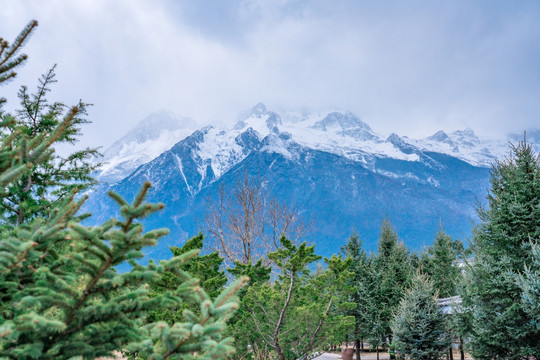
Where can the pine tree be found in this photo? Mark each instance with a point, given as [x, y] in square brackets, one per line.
[293, 262]
[60, 296]
[326, 299]
[46, 183]
[393, 274]
[502, 246]
[248, 343]
[278, 309]
[206, 268]
[529, 283]
[440, 262]
[362, 283]
[9, 60]
[419, 325]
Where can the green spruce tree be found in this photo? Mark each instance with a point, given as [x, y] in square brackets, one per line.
[419, 325]
[10, 59]
[361, 281]
[394, 270]
[502, 325]
[529, 283]
[441, 262]
[43, 185]
[60, 296]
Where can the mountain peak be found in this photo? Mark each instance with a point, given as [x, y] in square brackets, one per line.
[346, 124]
[341, 120]
[465, 136]
[401, 144]
[151, 127]
[439, 136]
[147, 139]
[259, 110]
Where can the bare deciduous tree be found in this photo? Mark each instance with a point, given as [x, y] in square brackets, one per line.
[244, 223]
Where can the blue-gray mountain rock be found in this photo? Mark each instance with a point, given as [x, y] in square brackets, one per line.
[331, 167]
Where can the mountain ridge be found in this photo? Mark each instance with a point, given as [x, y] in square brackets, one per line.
[332, 167]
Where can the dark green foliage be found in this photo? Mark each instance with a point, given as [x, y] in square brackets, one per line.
[293, 262]
[205, 268]
[296, 313]
[43, 185]
[257, 273]
[58, 314]
[393, 271]
[248, 341]
[502, 324]
[362, 284]
[529, 283]
[326, 299]
[419, 325]
[441, 262]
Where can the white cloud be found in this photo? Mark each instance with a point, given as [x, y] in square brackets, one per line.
[411, 68]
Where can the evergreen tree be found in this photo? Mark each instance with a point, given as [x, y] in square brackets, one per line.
[47, 183]
[361, 282]
[441, 263]
[419, 325]
[60, 296]
[9, 58]
[502, 324]
[206, 268]
[249, 343]
[529, 283]
[394, 270]
[60, 314]
[257, 273]
[298, 311]
[293, 262]
[326, 304]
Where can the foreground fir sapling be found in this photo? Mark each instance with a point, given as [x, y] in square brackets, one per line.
[91, 312]
[60, 296]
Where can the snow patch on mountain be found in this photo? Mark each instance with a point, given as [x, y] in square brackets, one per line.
[149, 138]
[464, 145]
[337, 132]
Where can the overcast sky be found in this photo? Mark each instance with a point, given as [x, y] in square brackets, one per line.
[411, 67]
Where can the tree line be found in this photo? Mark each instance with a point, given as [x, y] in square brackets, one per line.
[253, 289]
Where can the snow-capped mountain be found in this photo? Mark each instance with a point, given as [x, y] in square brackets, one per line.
[336, 132]
[465, 145]
[331, 166]
[149, 138]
